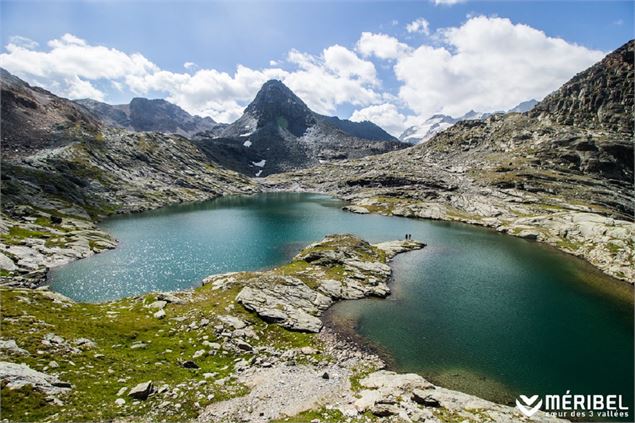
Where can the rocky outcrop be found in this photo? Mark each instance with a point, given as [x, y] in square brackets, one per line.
[538, 175]
[338, 267]
[278, 132]
[601, 97]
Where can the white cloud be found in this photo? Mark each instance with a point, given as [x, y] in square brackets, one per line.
[487, 64]
[71, 67]
[190, 65]
[385, 115]
[23, 42]
[336, 77]
[78, 88]
[420, 26]
[381, 46]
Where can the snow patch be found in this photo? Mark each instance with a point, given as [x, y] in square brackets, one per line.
[246, 134]
[258, 173]
[247, 143]
[261, 163]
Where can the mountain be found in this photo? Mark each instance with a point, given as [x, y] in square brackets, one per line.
[427, 129]
[561, 173]
[524, 106]
[33, 118]
[365, 129]
[278, 132]
[62, 170]
[142, 114]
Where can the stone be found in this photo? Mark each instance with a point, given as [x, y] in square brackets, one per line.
[120, 402]
[189, 364]
[384, 410]
[85, 343]
[170, 298]
[424, 398]
[141, 391]
[309, 351]
[243, 345]
[10, 346]
[158, 305]
[122, 391]
[16, 376]
[232, 321]
[6, 263]
[159, 314]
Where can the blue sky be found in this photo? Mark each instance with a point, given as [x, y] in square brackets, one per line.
[219, 36]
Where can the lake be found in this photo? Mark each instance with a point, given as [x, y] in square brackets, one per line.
[475, 310]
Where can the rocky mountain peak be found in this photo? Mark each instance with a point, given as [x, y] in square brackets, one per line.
[600, 97]
[276, 105]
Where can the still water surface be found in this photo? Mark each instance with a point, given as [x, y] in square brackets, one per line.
[475, 310]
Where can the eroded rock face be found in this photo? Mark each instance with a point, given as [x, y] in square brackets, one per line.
[338, 267]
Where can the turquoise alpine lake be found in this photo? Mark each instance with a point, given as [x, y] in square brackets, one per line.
[478, 311]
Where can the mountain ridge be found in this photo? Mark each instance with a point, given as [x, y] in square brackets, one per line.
[279, 132]
[560, 174]
[142, 114]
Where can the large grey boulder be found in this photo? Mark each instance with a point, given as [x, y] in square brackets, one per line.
[16, 376]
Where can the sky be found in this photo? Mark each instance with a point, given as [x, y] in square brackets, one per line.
[392, 62]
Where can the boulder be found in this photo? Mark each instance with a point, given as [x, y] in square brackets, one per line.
[10, 346]
[141, 391]
[16, 376]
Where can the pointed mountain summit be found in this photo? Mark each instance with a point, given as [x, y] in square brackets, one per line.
[276, 104]
[279, 132]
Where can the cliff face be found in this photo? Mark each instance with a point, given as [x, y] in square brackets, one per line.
[601, 97]
[561, 173]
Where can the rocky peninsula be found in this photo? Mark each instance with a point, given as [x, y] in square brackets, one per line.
[245, 346]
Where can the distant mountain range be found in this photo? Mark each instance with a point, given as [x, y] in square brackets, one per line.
[142, 114]
[427, 129]
[278, 132]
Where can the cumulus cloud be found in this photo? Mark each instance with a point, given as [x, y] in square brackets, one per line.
[381, 46]
[487, 64]
[71, 67]
[421, 26]
[386, 115]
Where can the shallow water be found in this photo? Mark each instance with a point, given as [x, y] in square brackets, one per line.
[475, 310]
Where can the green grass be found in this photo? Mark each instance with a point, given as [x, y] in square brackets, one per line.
[28, 316]
[97, 374]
